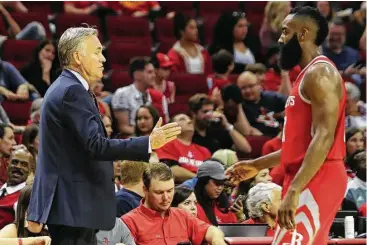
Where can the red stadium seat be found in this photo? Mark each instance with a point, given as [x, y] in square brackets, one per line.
[120, 79]
[164, 28]
[257, 7]
[189, 84]
[257, 143]
[119, 54]
[216, 8]
[18, 52]
[185, 7]
[24, 19]
[38, 6]
[3, 30]
[64, 21]
[177, 108]
[256, 20]
[18, 112]
[128, 29]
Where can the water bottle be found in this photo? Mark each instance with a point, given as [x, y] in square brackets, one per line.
[349, 227]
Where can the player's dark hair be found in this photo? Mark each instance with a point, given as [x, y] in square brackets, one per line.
[315, 14]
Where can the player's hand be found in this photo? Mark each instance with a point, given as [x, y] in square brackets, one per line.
[241, 171]
[161, 135]
[287, 211]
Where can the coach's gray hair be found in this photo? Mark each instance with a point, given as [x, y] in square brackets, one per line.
[72, 41]
[258, 195]
[353, 91]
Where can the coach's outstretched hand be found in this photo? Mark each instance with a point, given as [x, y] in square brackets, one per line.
[161, 135]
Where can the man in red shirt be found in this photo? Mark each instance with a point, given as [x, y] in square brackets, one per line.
[182, 155]
[7, 141]
[313, 145]
[154, 222]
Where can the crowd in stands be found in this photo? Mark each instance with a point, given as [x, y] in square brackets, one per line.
[210, 67]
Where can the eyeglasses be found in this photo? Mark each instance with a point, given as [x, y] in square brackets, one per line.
[239, 14]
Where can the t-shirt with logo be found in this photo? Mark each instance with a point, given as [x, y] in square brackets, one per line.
[189, 157]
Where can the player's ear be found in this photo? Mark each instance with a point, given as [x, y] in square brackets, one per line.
[303, 34]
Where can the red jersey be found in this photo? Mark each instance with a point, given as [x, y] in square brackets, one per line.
[188, 156]
[216, 82]
[221, 217]
[298, 132]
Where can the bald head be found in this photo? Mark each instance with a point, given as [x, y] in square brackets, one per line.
[249, 85]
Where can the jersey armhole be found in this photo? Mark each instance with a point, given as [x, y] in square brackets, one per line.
[303, 98]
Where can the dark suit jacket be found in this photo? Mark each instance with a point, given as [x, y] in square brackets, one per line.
[74, 182]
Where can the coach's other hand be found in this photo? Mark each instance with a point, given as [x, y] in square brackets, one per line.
[161, 135]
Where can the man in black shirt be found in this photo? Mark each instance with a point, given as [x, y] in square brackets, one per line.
[212, 129]
[263, 109]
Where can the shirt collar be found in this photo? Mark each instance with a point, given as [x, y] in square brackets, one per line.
[150, 212]
[81, 79]
[139, 94]
[12, 189]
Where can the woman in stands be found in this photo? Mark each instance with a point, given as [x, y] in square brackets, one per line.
[231, 33]
[188, 56]
[42, 70]
[19, 229]
[146, 117]
[262, 203]
[185, 198]
[355, 140]
[275, 13]
[213, 204]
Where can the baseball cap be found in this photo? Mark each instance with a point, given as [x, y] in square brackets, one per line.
[164, 60]
[211, 168]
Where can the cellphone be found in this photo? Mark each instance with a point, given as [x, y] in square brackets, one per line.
[240, 198]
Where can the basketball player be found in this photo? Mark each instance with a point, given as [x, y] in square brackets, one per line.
[313, 145]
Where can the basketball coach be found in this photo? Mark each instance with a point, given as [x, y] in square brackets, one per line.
[73, 191]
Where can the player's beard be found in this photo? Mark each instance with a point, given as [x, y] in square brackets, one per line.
[290, 54]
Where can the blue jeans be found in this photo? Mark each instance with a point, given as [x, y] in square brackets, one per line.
[32, 31]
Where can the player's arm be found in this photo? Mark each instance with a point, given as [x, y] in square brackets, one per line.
[322, 86]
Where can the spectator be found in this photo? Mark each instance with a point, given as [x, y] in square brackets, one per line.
[326, 10]
[259, 70]
[32, 31]
[213, 204]
[107, 122]
[356, 188]
[356, 27]
[7, 141]
[223, 65]
[150, 222]
[19, 229]
[41, 71]
[135, 8]
[163, 66]
[17, 171]
[84, 7]
[186, 54]
[30, 140]
[97, 89]
[274, 14]
[120, 234]
[224, 156]
[243, 188]
[182, 155]
[127, 100]
[35, 112]
[185, 199]
[335, 49]
[356, 110]
[231, 34]
[26, 241]
[355, 140]
[117, 174]
[263, 202]
[146, 117]
[12, 84]
[212, 129]
[130, 196]
[229, 102]
[263, 109]
[5, 119]
[16, 6]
